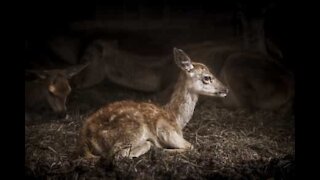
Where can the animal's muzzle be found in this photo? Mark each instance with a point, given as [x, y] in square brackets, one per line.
[223, 93]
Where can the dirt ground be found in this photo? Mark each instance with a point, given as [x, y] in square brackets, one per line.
[229, 144]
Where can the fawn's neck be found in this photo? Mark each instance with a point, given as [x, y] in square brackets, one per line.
[182, 102]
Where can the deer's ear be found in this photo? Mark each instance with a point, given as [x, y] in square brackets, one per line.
[182, 59]
[40, 74]
[70, 72]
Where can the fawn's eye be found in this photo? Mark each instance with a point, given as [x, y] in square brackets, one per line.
[206, 79]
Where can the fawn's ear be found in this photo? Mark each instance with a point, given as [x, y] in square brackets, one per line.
[182, 59]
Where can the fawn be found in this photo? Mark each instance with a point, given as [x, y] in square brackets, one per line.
[129, 129]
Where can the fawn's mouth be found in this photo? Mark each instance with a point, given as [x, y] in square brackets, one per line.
[221, 94]
[217, 94]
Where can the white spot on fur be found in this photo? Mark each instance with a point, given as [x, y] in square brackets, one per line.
[112, 117]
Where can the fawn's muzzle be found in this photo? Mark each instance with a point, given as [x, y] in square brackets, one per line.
[223, 93]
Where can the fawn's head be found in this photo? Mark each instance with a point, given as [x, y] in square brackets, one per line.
[199, 78]
[56, 86]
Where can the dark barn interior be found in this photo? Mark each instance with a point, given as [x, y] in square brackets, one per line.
[123, 50]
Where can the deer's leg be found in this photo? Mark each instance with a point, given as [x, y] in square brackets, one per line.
[140, 150]
[174, 141]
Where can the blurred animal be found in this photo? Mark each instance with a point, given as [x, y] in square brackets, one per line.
[250, 65]
[255, 79]
[107, 61]
[51, 89]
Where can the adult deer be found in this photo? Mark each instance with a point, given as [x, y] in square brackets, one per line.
[255, 80]
[139, 72]
[251, 67]
[129, 129]
[50, 89]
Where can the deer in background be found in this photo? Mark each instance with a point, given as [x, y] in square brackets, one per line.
[254, 78]
[50, 89]
[255, 75]
[257, 82]
[143, 73]
[250, 66]
[129, 129]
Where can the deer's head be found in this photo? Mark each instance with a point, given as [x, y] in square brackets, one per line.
[199, 78]
[56, 86]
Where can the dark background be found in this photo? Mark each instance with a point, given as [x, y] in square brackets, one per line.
[45, 19]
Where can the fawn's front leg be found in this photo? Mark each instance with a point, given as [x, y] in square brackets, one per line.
[173, 141]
